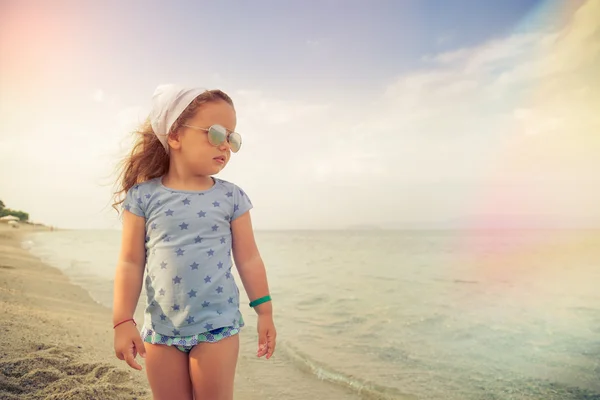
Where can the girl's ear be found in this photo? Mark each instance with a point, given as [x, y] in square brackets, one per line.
[174, 140]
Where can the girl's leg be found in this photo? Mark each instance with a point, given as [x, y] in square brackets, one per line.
[212, 368]
[168, 372]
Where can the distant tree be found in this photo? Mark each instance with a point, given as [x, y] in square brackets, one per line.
[23, 216]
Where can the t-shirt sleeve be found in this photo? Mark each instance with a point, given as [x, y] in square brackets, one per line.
[133, 202]
[241, 203]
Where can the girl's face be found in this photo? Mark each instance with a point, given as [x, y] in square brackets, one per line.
[192, 145]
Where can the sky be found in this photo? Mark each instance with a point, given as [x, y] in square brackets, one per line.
[395, 114]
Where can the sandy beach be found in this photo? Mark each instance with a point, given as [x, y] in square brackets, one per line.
[56, 341]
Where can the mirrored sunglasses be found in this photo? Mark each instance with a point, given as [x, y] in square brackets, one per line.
[217, 135]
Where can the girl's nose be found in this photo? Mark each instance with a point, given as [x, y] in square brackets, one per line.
[225, 146]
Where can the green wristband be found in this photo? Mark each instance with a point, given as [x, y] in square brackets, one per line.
[257, 302]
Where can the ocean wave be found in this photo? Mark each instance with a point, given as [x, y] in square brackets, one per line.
[27, 244]
[367, 390]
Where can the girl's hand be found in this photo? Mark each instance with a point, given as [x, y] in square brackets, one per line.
[266, 335]
[128, 344]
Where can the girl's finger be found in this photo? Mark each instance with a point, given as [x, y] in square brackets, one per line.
[271, 345]
[262, 350]
[262, 344]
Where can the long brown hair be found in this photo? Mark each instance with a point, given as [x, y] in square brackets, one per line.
[148, 158]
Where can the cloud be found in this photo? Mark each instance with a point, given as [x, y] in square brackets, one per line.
[466, 104]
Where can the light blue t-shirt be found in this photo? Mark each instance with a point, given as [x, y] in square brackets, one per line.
[189, 285]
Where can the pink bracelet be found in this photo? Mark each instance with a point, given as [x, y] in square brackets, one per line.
[127, 320]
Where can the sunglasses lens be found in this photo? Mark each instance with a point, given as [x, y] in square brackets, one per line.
[235, 142]
[217, 135]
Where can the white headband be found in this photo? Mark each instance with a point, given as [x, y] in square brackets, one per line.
[168, 102]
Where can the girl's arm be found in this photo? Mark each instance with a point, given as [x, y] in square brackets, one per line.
[130, 267]
[254, 277]
[249, 262]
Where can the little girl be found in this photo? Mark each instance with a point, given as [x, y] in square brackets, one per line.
[182, 226]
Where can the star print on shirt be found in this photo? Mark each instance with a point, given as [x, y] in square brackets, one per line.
[230, 300]
[216, 204]
[179, 252]
[183, 226]
[169, 212]
[208, 327]
[201, 214]
[235, 207]
[163, 265]
[198, 239]
[206, 303]
[177, 280]
[148, 196]
[161, 292]
[220, 265]
[190, 320]
[215, 227]
[229, 194]
[192, 293]
[175, 307]
[139, 200]
[176, 332]
[220, 289]
[186, 202]
[127, 207]
[194, 266]
[207, 279]
[163, 317]
[228, 275]
[153, 226]
[210, 253]
[223, 240]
